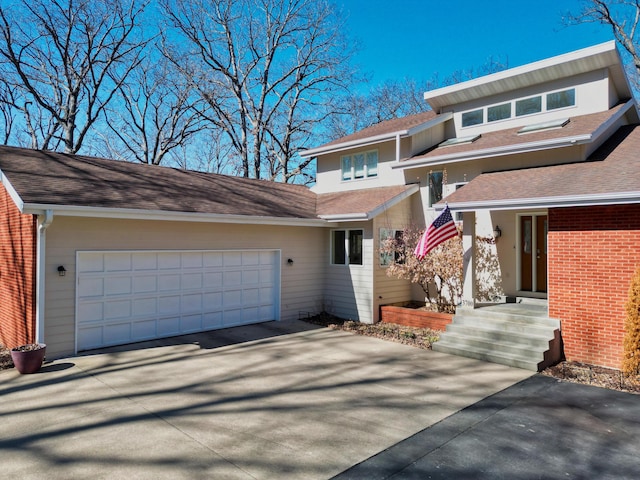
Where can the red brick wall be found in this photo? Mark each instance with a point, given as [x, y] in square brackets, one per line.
[17, 273]
[410, 317]
[593, 252]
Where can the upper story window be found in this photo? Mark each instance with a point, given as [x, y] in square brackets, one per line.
[520, 107]
[528, 106]
[565, 98]
[360, 165]
[475, 117]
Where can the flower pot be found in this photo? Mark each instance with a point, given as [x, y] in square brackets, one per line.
[28, 358]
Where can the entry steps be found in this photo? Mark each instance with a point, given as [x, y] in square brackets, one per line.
[516, 334]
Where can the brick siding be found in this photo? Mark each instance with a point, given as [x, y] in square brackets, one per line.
[593, 252]
[410, 317]
[17, 273]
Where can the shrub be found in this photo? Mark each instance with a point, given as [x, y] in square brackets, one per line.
[631, 356]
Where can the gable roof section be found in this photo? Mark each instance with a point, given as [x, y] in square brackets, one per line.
[610, 176]
[72, 185]
[580, 129]
[364, 204]
[380, 132]
[604, 55]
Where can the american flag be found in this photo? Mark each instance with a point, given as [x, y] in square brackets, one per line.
[443, 228]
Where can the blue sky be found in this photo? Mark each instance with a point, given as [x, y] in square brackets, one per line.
[418, 38]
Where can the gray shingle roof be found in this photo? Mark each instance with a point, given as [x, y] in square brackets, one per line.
[57, 179]
[612, 169]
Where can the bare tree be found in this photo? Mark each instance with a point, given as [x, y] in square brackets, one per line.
[265, 69]
[155, 113]
[69, 58]
[623, 17]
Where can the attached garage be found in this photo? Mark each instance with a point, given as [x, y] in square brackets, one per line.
[125, 297]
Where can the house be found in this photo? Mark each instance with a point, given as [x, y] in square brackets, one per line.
[97, 252]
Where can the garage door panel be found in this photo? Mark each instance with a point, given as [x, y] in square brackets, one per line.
[116, 309]
[124, 297]
[91, 287]
[118, 262]
[168, 326]
[169, 283]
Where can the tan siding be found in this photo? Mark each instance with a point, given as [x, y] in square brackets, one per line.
[390, 289]
[349, 288]
[301, 282]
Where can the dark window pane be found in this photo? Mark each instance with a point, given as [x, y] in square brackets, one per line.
[472, 118]
[566, 98]
[499, 112]
[337, 247]
[435, 187]
[528, 106]
[355, 247]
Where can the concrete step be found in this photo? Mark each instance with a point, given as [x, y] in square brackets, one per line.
[501, 336]
[510, 334]
[511, 360]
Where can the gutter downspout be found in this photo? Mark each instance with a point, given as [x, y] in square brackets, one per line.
[43, 223]
[398, 148]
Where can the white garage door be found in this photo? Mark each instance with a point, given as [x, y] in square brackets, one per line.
[125, 297]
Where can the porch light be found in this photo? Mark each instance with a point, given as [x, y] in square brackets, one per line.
[62, 271]
[290, 261]
[497, 233]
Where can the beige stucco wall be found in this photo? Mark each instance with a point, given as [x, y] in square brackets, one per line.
[301, 283]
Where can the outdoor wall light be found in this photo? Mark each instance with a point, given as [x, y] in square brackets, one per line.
[62, 271]
[290, 261]
[497, 233]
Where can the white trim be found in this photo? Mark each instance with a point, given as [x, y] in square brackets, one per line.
[12, 192]
[495, 152]
[162, 215]
[383, 137]
[364, 216]
[547, 202]
[44, 221]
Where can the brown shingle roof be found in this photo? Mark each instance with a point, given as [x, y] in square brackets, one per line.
[358, 201]
[57, 179]
[613, 169]
[388, 126]
[580, 125]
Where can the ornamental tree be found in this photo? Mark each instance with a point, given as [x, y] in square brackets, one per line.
[439, 274]
[631, 357]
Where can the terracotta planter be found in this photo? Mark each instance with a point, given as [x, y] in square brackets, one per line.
[28, 358]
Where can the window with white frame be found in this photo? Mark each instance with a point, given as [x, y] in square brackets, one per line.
[346, 247]
[359, 165]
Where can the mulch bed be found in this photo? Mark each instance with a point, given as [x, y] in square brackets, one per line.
[425, 337]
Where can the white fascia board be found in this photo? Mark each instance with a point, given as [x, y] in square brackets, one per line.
[556, 61]
[383, 137]
[617, 198]
[611, 121]
[364, 216]
[12, 192]
[495, 152]
[160, 215]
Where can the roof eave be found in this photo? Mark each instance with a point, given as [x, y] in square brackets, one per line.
[495, 152]
[613, 198]
[13, 194]
[162, 215]
[365, 216]
[384, 137]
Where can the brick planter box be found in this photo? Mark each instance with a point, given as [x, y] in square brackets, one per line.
[412, 317]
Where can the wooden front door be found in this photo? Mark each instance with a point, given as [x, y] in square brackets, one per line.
[533, 253]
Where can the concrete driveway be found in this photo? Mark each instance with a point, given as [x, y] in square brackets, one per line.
[276, 400]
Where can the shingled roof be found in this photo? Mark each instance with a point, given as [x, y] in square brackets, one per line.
[56, 179]
[610, 175]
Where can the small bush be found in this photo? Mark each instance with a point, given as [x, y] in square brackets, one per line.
[631, 356]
